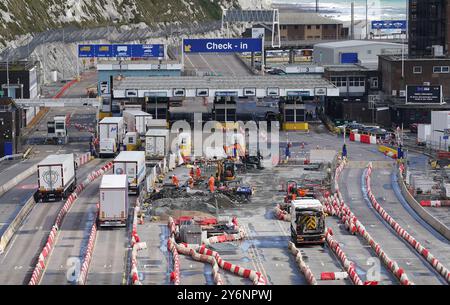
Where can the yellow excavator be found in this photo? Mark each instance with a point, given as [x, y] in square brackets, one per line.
[226, 171]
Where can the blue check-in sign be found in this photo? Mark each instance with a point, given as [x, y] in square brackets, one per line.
[222, 45]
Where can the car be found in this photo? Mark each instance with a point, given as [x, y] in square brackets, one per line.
[276, 71]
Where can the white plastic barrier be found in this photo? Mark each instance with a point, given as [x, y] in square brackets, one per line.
[431, 259]
[301, 263]
[42, 260]
[332, 276]
[225, 238]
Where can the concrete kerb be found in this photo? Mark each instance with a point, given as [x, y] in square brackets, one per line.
[421, 211]
[15, 224]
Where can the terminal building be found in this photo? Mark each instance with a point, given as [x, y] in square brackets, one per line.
[19, 79]
[225, 94]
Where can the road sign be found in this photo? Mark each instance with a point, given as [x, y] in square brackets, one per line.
[389, 24]
[121, 50]
[222, 45]
[258, 33]
[423, 94]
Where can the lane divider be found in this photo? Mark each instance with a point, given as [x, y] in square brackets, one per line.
[332, 276]
[336, 206]
[435, 203]
[281, 214]
[348, 265]
[88, 255]
[430, 258]
[310, 278]
[49, 245]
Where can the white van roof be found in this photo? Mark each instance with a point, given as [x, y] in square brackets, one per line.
[307, 204]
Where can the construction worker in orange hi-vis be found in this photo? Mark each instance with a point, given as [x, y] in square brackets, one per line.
[211, 182]
[198, 173]
[175, 180]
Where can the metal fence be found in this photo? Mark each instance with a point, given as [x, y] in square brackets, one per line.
[109, 33]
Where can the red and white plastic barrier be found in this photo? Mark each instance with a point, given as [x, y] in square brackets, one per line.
[335, 205]
[281, 214]
[346, 263]
[136, 246]
[256, 277]
[83, 159]
[362, 138]
[332, 276]
[84, 128]
[175, 249]
[434, 262]
[225, 238]
[88, 255]
[435, 203]
[310, 278]
[42, 260]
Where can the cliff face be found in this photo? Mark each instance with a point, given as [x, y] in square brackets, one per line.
[19, 17]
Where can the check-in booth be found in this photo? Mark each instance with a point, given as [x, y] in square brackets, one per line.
[157, 104]
[224, 107]
[294, 113]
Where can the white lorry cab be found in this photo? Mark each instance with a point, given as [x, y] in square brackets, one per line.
[307, 222]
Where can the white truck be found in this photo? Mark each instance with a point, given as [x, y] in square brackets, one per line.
[423, 134]
[132, 164]
[56, 177]
[111, 133]
[57, 129]
[156, 144]
[136, 120]
[113, 201]
[307, 221]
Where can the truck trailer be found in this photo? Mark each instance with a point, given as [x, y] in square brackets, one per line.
[136, 120]
[56, 177]
[113, 201]
[132, 164]
[307, 222]
[111, 133]
[156, 144]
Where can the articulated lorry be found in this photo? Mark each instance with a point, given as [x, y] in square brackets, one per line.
[111, 134]
[132, 164]
[56, 177]
[156, 144]
[113, 201]
[307, 222]
[136, 120]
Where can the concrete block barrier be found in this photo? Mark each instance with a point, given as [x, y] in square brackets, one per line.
[17, 179]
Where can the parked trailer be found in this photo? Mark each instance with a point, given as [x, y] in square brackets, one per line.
[113, 201]
[111, 133]
[132, 164]
[56, 177]
[136, 120]
[423, 133]
[156, 144]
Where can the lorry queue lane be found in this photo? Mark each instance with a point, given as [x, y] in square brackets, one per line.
[20, 257]
[72, 239]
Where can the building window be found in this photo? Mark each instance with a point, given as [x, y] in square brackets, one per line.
[374, 83]
[369, 52]
[339, 81]
[441, 69]
[317, 27]
[356, 81]
[296, 27]
[283, 27]
[417, 70]
[308, 27]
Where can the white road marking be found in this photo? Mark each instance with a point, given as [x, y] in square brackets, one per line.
[209, 66]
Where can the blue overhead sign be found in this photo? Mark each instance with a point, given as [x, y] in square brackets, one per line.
[221, 45]
[389, 24]
[121, 50]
